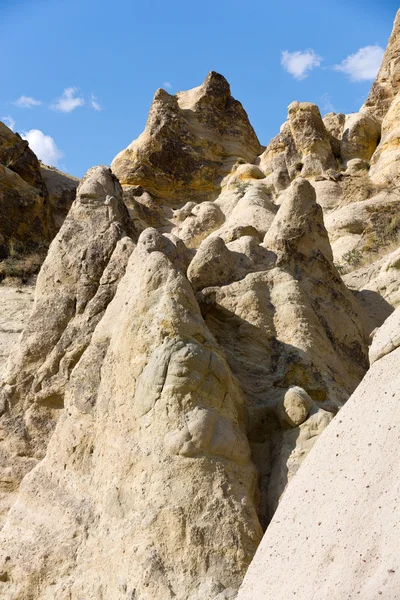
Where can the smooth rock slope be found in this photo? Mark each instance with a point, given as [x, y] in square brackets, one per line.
[335, 534]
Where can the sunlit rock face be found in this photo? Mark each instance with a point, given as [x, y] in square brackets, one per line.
[190, 340]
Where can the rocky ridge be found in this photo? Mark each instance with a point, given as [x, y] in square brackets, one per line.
[190, 340]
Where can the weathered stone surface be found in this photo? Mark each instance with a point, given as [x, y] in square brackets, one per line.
[298, 226]
[286, 321]
[189, 141]
[15, 307]
[387, 83]
[386, 160]
[198, 369]
[61, 190]
[311, 138]
[16, 155]
[24, 211]
[77, 281]
[360, 137]
[387, 338]
[294, 407]
[148, 458]
[340, 513]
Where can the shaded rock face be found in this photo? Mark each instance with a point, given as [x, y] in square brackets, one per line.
[354, 464]
[34, 199]
[23, 195]
[190, 341]
[166, 416]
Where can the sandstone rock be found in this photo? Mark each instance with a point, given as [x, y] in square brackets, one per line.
[294, 407]
[360, 137]
[190, 140]
[339, 514]
[25, 222]
[61, 190]
[16, 155]
[281, 324]
[149, 457]
[387, 81]
[77, 281]
[25, 215]
[291, 446]
[15, 308]
[202, 220]
[334, 124]
[298, 225]
[385, 161]
[185, 416]
[311, 138]
[213, 264]
[387, 338]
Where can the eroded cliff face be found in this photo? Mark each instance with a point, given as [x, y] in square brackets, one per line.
[33, 198]
[190, 340]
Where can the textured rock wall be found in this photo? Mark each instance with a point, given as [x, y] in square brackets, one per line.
[191, 338]
[337, 526]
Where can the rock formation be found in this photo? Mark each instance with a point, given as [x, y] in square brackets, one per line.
[387, 83]
[23, 194]
[191, 339]
[77, 281]
[61, 189]
[34, 199]
[337, 526]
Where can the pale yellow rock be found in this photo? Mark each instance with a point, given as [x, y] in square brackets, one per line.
[377, 286]
[294, 407]
[15, 307]
[61, 189]
[386, 85]
[77, 281]
[387, 338]
[299, 225]
[150, 461]
[311, 138]
[337, 526]
[360, 137]
[386, 160]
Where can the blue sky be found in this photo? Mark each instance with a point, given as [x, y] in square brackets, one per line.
[94, 65]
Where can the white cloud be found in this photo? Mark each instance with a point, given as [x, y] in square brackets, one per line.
[9, 121]
[298, 63]
[43, 146]
[167, 85]
[27, 102]
[363, 65]
[68, 101]
[94, 104]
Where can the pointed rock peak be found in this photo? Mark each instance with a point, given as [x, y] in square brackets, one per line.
[387, 82]
[191, 141]
[98, 183]
[298, 227]
[216, 84]
[215, 91]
